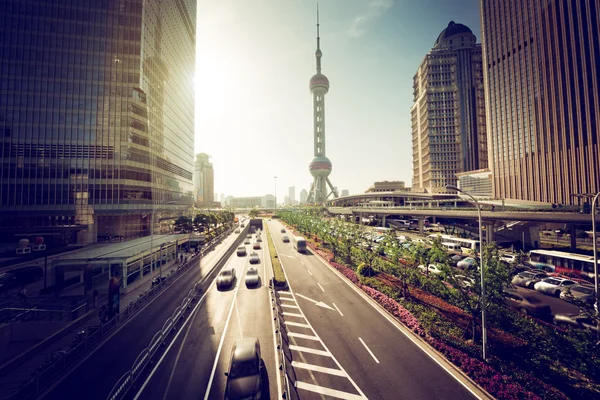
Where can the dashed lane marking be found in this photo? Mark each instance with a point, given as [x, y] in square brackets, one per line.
[338, 310]
[320, 286]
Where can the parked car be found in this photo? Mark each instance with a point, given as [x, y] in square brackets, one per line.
[256, 246]
[528, 279]
[254, 259]
[252, 277]
[578, 292]
[226, 278]
[456, 258]
[241, 251]
[553, 285]
[576, 321]
[527, 304]
[464, 281]
[434, 269]
[285, 239]
[244, 377]
[466, 263]
[509, 258]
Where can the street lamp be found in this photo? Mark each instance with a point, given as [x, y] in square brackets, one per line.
[152, 240]
[483, 327]
[275, 191]
[595, 245]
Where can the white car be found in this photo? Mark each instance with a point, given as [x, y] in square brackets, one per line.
[509, 258]
[434, 269]
[466, 263]
[252, 277]
[464, 281]
[553, 286]
[254, 259]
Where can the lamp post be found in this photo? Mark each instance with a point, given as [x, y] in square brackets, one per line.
[483, 327]
[152, 240]
[275, 191]
[595, 245]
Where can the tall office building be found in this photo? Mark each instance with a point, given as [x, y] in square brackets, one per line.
[541, 62]
[85, 91]
[292, 194]
[448, 114]
[303, 196]
[204, 180]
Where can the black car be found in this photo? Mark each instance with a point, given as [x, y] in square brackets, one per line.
[244, 378]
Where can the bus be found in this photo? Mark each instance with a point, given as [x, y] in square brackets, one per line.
[299, 244]
[467, 245]
[562, 262]
[452, 247]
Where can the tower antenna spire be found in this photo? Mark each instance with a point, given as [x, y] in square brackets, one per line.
[318, 53]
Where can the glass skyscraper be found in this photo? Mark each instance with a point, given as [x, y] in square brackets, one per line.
[541, 63]
[96, 115]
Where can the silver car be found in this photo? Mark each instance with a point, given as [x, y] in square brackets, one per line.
[553, 285]
[226, 278]
[585, 293]
[241, 251]
[576, 321]
[244, 378]
[252, 277]
[254, 259]
[528, 279]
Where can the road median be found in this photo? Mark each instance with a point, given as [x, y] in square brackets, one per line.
[278, 275]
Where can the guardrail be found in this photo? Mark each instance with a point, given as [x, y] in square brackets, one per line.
[126, 382]
[285, 354]
[58, 362]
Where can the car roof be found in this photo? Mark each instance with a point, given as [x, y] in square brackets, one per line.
[244, 349]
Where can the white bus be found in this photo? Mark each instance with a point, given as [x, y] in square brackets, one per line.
[452, 247]
[467, 245]
[299, 244]
[563, 263]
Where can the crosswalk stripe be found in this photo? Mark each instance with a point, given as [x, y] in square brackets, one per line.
[289, 306]
[290, 323]
[318, 368]
[303, 336]
[309, 350]
[289, 314]
[327, 391]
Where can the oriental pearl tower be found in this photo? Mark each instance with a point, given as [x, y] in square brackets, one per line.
[320, 167]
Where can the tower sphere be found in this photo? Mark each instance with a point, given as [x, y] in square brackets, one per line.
[320, 166]
[319, 81]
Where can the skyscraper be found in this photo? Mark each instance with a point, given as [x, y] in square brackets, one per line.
[448, 114]
[204, 180]
[85, 87]
[541, 63]
[292, 194]
[303, 196]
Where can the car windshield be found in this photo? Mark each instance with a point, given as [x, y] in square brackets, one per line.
[226, 273]
[552, 281]
[244, 368]
[252, 272]
[526, 275]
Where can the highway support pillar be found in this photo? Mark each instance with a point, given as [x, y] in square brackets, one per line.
[489, 232]
[383, 221]
[421, 225]
[573, 233]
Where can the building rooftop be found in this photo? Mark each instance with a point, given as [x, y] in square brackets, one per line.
[452, 29]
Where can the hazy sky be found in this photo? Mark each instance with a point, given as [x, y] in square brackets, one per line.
[254, 109]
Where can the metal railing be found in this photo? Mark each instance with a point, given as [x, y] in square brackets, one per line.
[60, 361]
[288, 375]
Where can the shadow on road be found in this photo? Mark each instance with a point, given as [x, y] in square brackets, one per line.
[266, 392]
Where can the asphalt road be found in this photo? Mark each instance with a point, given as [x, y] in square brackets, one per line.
[351, 349]
[95, 377]
[194, 366]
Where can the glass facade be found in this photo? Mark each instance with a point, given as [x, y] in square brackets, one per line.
[542, 97]
[204, 180]
[96, 114]
[448, 115]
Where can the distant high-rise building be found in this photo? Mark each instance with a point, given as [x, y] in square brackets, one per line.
[303, 196]
[386, 186]
[541, 61]
[448, 114]
[345, 192]
[96, 115]
[222, 198]
[204, 180]
[292, 194]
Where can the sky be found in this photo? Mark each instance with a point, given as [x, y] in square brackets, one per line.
[254, 108]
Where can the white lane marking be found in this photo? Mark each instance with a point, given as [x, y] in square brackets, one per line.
[309, 272]
[317, 303]
[309, 350]
[369, 350]
[318, 368]
[303, 336]
[398, 325]
[283, 298]
[320, 286]
[289, 306]
[326, 391]
[214, 368]
[279, 377]
[301, 262]
[293, 314]
[290, 323]
[338, 310]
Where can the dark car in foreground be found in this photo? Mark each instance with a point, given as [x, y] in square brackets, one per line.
[244, 377]
[527, 304]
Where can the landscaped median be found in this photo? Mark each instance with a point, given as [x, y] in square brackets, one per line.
[278, 275]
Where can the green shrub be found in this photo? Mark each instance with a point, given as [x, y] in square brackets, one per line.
[278, 275]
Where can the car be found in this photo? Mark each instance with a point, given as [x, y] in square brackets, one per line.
[242, 226]
[241, 251]
[285, 239]
[259, 239]
[456, 258]
[158, 280]
[575, 321]
[237, 231]
[254, 259]
[256, 246]
[464, 281]
[247, 241]
[226, 278]
[244, 376]
[553, 285]
[252, 277]
[528, 279]
[248, 236]
[507, 257]
[527, 304]
[466, 263]
[585, 293]
[434, 269]
[282, 230]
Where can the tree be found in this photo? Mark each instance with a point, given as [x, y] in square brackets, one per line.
[395, 249]
[253, 213]
[183, 224]
[437, 254]
[201, 222]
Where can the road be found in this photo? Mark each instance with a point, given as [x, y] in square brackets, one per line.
[188, 361]
[348, 347]
[195, 363]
